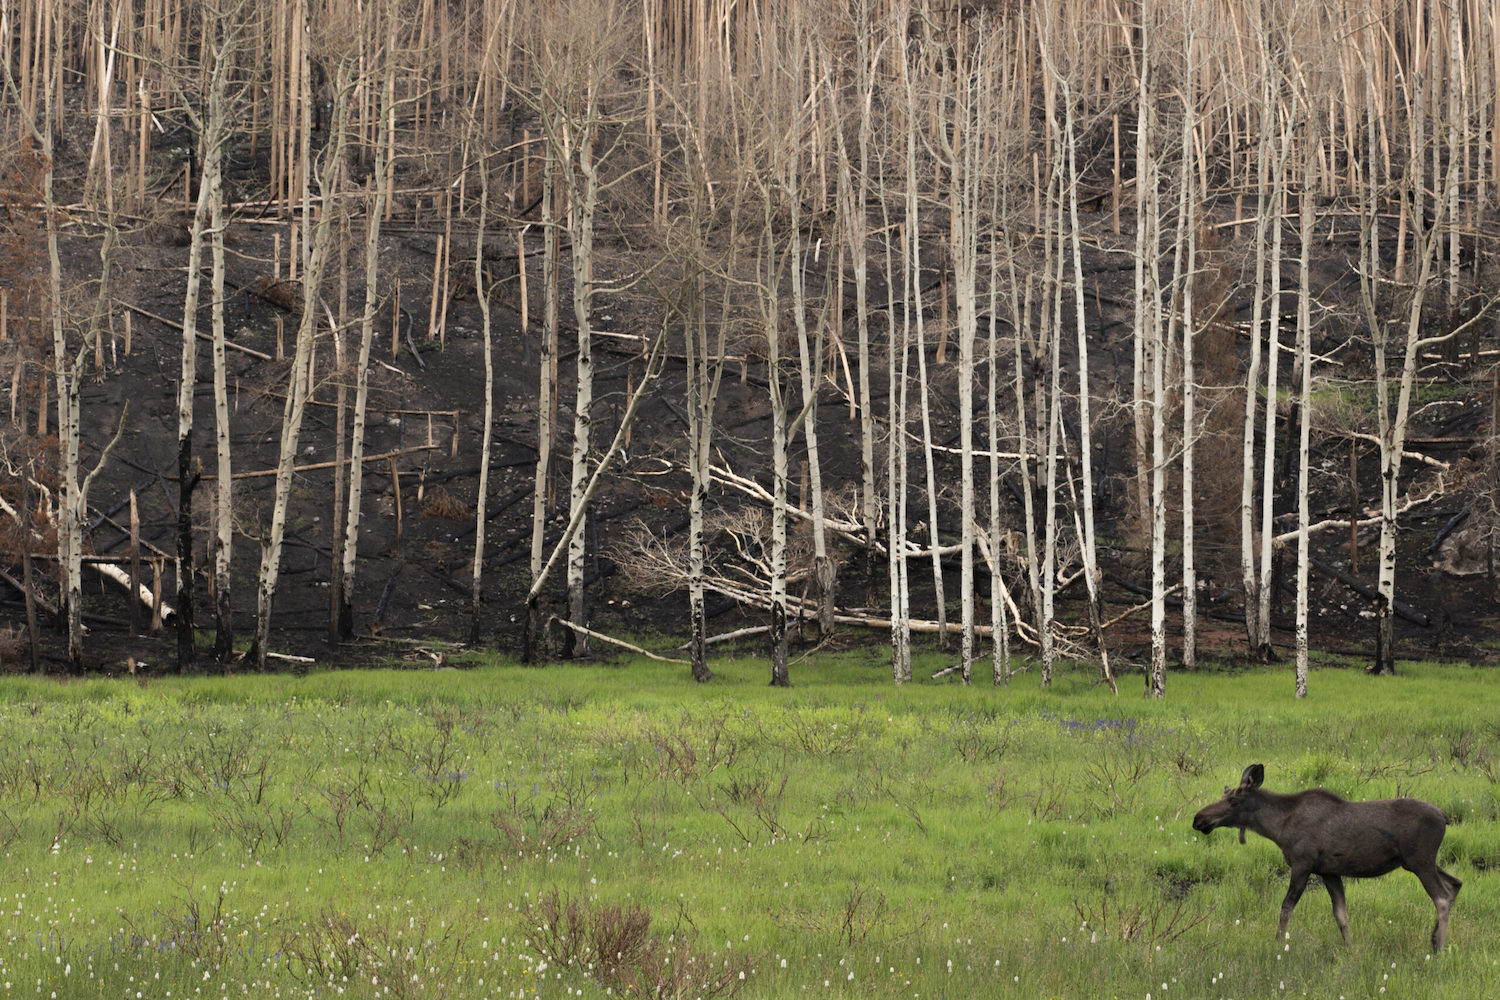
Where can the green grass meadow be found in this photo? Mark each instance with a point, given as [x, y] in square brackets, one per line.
[504, 831]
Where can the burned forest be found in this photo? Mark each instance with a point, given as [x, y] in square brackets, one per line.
[1141, 336]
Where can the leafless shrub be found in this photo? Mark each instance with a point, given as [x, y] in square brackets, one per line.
[406, 954]
[1048, 799]
[756, 794]
[979, 740]
[1153, 921]
[537, 821]
[691, 750]
[435, 760]
[615, 945]
[863, 910]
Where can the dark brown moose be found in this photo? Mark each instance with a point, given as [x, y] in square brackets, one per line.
[1322, 834]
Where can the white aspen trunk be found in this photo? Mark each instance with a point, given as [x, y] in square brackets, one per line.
[1085, 433]
[692, 332]
[999, 632]
[810, 370]
[772, 306]
[1053, 437]
[583, 200]
[329, 181]
[1188, 223]
[965, 253]
[914, 294]
[1273, 366]
[1456, 124]
[223, 466]
[67, 376]
[186, 386]
[380, 180]
[853, 218]
[1304, 364]
[1156, 680]
[1393, 428]
[224, 39]
[482, 293]
[68, 373]
[913, 230]
[1142, 304]
[1024, 444]
[895, 405]
[700, 403]
[1257, 628]
[546, 390]
[339, 376]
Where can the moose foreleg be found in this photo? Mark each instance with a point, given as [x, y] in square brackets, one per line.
[1335, 886]
[1293, 893]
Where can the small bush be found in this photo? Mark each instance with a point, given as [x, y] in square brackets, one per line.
[615, 946]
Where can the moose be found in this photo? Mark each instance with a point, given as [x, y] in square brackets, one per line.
[1328, 836]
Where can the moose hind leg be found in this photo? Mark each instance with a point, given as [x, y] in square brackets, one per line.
[1443, 888]
[1293, 893]
[1335, 886]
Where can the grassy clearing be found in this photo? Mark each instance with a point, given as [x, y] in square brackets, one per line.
[504, 831]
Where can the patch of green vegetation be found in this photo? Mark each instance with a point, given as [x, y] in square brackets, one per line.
[615, 829]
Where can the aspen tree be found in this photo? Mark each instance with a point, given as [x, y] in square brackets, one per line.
[1257, 628]
[546, 397]
[330, 168]
[482, 292]
[223, 35]
[1150, 350]
[68, 368]
[770, 279]
[999, 595]
[1156, 679]
[702, 388]
[895, 457]
[914, 250]
[1393, 425]
[376, 200]
[1085, 434]
[1273, 367]
[897, 381]
[705, 367]
[1304, 365]
[1184, 276]
[582, 184]
[810, 371]
[187, 476]
[1051, 438]
[962, 160]
[1020, 323]
[1141, 302]
[854, 183]
[580, 58]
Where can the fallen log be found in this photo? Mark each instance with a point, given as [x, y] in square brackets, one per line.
[231, 345]
[738, 633]
[256, 473]
[140, 591]
[1369, 593]
[581, 630]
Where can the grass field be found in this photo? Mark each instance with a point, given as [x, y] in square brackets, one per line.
[593, 830]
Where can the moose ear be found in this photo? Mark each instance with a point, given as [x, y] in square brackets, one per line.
[1253, 776]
